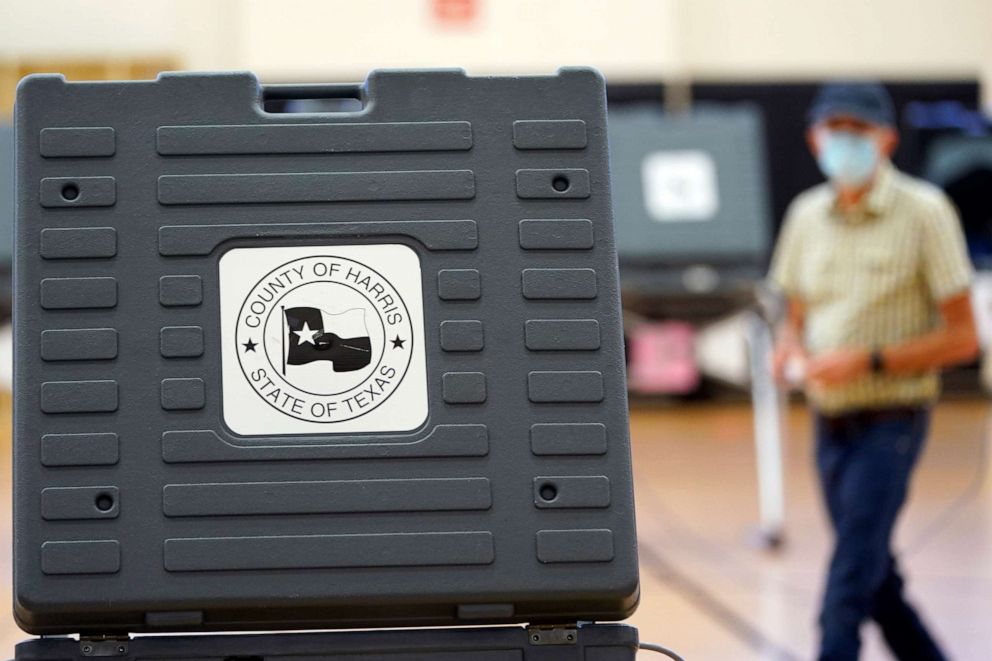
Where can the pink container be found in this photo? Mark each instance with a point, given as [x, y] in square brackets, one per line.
[662, 359]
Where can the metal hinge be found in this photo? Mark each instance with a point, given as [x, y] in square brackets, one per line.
[104, 646]
[553, 635]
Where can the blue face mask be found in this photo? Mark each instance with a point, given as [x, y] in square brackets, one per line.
[848, 159]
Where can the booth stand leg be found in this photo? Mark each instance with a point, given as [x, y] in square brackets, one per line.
[767, 402]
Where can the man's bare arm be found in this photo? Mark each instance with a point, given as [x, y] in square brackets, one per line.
[792, 325]
[789, 343]
[955, 342]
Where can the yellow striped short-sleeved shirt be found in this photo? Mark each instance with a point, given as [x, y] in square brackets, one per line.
[872, 278]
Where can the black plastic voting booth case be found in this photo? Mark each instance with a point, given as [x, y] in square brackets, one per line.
[322, 370]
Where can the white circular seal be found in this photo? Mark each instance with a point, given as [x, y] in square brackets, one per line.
[324, 338]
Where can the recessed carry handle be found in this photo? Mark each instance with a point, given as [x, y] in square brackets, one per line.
[313, 99]
[292, 92]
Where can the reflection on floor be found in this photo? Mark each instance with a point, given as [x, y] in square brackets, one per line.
[712, 596]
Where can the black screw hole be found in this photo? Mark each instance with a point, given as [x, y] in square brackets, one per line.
[560, 183]
[104, 502]
[548, 492]
[70, 192]
[569, 637]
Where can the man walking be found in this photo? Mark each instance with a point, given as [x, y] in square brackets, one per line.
[876, 276]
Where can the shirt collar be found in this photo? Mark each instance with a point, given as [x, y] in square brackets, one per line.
[877, 201]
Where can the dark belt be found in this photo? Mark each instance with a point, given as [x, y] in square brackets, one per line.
[872, 416]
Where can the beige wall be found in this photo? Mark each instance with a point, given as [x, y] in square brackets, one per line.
[898, 38]
[346, 37]
[342, 39]
[52, 28]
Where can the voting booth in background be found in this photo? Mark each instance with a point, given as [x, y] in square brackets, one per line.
[694, 232]
[692, 215]
[962, 166]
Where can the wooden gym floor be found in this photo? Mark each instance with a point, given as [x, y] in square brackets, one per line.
[712, 595]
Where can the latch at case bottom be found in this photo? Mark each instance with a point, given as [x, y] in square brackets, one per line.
[104, 647]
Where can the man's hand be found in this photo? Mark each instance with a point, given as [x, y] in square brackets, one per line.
[838, 368]
[785, 353]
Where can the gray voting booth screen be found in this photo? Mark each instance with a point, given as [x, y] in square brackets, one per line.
[318, 370]
[690, 188]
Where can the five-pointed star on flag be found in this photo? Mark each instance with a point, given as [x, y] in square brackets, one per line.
[306, 335]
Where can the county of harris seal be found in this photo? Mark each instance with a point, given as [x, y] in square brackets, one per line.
[322, 339]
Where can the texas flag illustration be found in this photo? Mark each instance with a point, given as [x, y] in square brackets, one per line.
[313, 334]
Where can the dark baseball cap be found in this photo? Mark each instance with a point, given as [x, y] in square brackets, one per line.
[868, 101]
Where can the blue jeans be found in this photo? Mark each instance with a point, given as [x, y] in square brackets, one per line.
[865, 460]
